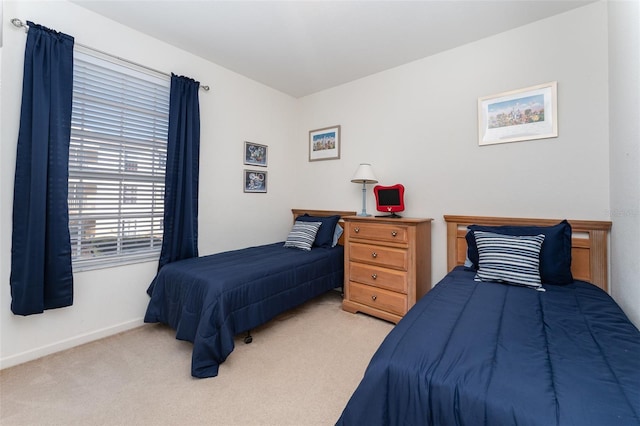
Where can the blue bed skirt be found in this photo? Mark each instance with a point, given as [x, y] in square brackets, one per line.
[210, 299]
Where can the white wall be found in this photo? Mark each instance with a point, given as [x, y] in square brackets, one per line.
[417, 125]
[624, 92]
[236, 109]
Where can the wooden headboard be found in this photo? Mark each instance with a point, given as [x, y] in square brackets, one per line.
[300, 212]
[589, 243]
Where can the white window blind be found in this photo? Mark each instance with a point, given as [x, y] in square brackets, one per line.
[117, 160]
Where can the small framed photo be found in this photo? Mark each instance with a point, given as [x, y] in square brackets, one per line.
[519, 115]
[255, 154]
[255, 181]
[324, 144]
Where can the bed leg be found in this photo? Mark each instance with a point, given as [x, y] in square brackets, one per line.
[248, 339]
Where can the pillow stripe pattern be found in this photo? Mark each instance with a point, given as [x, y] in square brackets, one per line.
[302, 235]
[555, 255]
[509, 259]
[324, 237]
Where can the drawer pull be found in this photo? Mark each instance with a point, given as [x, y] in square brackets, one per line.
[374, 254]
[374, 276]
[374, 297]
[356, 230]
[394, 233]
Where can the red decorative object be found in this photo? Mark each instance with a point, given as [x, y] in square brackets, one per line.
[389, 199]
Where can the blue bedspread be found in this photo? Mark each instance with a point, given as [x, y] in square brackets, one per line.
[473, 353]
[210, 299]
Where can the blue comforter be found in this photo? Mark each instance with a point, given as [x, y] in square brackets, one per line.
[473, 353]
[210, 299]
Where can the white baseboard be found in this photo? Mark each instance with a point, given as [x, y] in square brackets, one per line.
[69, 343]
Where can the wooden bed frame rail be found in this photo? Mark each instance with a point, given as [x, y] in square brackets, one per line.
[341, 213]
[589, 243]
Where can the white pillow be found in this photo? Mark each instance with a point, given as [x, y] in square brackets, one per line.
[302, 235]
[509, 259]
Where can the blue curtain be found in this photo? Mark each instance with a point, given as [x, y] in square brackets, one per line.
[180, 240]
[41, 276]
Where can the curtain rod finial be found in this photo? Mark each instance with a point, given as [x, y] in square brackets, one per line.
[18, 23]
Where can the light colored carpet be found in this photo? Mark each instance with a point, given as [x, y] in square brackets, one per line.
[301, 369]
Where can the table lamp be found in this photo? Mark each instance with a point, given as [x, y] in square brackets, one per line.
[364, 175]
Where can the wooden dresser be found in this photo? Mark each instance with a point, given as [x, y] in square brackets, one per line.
[387, 265]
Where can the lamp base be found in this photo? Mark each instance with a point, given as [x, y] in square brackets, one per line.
[364, 201]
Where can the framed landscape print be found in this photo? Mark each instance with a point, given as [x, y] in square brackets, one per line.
[255, 154]
[324, 144]
[519, 115]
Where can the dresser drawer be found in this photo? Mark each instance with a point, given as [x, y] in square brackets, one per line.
[379, 255]
[379, 232]
[379, 277]
[387, 265]
[378, 298]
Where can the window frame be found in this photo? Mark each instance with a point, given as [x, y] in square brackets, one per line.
[117, 160]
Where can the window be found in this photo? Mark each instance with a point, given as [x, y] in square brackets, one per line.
[117, 162]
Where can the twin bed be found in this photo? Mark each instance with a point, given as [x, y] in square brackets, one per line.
[487, 353]
[468, 352]
[210, 299]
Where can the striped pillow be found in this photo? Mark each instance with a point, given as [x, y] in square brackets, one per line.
[509, 259]
[302, 235]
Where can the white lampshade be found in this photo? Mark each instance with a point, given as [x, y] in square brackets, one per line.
[364, 174]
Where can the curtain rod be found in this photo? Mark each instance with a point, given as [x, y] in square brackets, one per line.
[18, 23]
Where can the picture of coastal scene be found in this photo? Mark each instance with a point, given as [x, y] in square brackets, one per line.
[516, 112]
[324, 141]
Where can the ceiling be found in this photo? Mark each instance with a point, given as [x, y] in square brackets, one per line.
[302, 47]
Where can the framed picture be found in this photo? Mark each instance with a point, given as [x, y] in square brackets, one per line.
[255, 154]
[324, 144]
[255, 181]
[519, 115]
